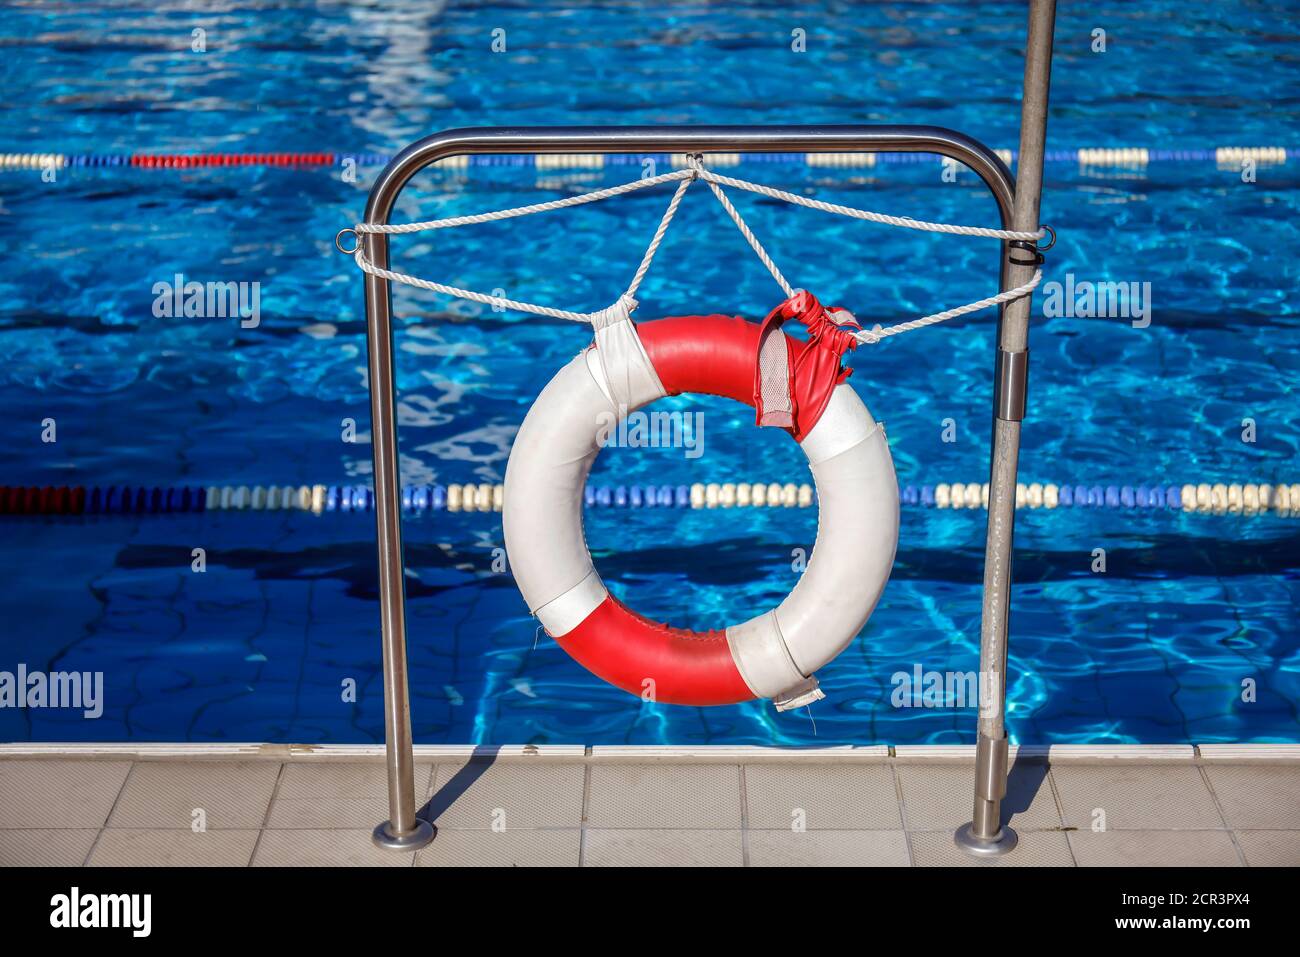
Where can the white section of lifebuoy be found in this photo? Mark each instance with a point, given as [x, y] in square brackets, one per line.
[857, 534]
[561, 615]
[844, 423]
[624, 370]
[542, 511]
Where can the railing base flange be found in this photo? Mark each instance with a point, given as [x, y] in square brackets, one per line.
[978, 847]
[411, 841]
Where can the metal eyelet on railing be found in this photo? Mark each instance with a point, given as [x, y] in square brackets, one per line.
[338, 241]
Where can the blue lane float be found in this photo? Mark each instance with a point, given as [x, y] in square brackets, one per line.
[1247, 498]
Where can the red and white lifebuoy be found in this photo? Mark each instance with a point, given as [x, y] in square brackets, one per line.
[794, 384]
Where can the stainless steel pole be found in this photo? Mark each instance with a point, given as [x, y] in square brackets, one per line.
[403, 831]
[986, 835]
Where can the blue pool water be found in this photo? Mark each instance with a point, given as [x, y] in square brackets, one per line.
[1156, 649]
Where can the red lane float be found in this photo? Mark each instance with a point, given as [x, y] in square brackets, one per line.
[797, 385]
[181, 160]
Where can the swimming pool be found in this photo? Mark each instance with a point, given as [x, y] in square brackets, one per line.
[263, 645]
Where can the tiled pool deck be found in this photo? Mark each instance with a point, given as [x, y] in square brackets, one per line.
[1216, 805]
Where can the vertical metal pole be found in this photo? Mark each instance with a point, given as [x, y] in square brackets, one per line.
[402, 831]
[985, 835]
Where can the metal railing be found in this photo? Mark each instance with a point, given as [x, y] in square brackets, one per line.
[1018, 210]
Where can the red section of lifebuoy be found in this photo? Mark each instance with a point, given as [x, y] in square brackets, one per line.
[718, 355]
[709, 355]
[643, 657]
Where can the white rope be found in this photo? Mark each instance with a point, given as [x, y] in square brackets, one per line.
[526, 210]
[744, 229]
[904, 221]
[653, 248]
[367, 266]
[687, 176]
[875, 334]
[694, 170]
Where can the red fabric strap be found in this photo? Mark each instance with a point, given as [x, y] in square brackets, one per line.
[813, 368]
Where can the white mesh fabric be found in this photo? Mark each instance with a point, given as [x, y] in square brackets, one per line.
[776, 407]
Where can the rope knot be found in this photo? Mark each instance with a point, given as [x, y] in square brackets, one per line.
[831, 327]
[619, 311]
[872, 336]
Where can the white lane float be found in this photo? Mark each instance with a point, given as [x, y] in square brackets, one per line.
[793, 384]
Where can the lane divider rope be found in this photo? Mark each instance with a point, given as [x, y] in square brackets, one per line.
[1248, 498]
[1124, 156]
